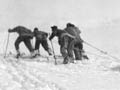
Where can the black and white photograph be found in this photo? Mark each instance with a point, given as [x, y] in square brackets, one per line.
[59, 45]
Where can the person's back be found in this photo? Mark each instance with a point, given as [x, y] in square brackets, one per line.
[40, 35]
[73, 30]
[25, 35]
[41, 38]
[22, 31]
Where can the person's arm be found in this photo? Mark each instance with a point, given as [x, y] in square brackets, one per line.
[51, 36]
[44, 34]
[12, 30]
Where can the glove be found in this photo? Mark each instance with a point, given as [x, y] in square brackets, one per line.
[9, 30]
[49, 39]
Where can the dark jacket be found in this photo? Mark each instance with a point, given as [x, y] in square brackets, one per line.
[74, 31]
[40, 35]
[22, 31]
[61, 34]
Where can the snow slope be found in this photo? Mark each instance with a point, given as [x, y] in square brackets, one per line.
[99, 73]
[96, 74]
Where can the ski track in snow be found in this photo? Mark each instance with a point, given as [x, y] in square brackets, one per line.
[44, 75]
[25, 79]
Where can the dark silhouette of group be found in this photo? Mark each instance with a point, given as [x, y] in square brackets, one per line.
[71, 44]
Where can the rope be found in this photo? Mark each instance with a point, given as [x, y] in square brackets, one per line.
[104, 52]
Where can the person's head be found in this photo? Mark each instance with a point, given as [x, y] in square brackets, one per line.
[70, 25]
[54, 28]
[35, 29]
[54, 32]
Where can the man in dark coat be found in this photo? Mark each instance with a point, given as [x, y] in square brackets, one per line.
[65, 42]
[41, 38]
[78, 48]
[25, 35]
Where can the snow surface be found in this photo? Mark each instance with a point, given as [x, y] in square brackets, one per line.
[41, 74]
[99, 73]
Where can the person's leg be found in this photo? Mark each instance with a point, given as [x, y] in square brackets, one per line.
[70, 49]
[64, 49]
[29, 45]
[84, 56]
[77, 53]
[37, 46]
[46, 47]
[17, 42]
[78, 50]
[81, 51]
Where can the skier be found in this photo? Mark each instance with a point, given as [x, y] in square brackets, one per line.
[25, 35]
[41, 38]
[65, 42]
[78, 48]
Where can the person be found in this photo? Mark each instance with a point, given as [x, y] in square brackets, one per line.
[78, 48]
[65, 42]
[41, 38]
[25, 35]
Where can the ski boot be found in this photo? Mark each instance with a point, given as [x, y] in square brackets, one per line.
[18, 54]
[37, 53]
[33, 55]
[49, 52]
[66, 59]
[84, 55]
[71, 60]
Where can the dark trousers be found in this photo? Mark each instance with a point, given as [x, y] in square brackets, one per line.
[44, 44]
[66, 47]
[27, 42]
[78, 47]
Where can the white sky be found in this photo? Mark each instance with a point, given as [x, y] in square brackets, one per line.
[44, 13]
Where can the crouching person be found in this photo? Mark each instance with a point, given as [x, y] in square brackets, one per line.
[64, 40]
[41, 38]
[78, 48]
[25, 35]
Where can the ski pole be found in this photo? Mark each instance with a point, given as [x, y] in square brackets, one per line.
[101, 51]
[54, 53]
[7, 45]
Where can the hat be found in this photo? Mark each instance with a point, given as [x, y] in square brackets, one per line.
[54, 27]
[35, 28]
[70, 25]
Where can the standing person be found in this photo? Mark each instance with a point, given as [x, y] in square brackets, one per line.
[41, 38]
[25, 35]
[66, 43]
[78, 48]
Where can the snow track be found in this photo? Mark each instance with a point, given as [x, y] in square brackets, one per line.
[26, 79]
[99, 74]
